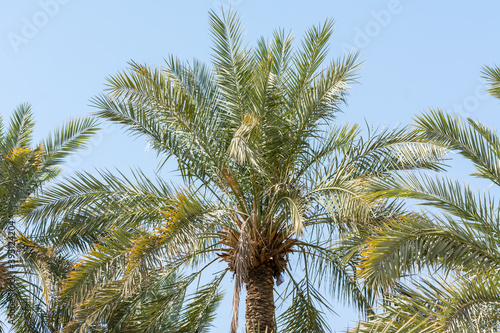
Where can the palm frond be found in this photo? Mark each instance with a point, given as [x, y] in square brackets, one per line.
[469, 304]
[416, 242]
[233, 64]
[327, 269]
[200, 308]
[492, 75]
[67, 139]
[470, 139]
[19, 133]
[304, 314]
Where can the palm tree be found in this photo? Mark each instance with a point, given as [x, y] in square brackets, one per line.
[266, 175]
[460, 242]
[30, 271]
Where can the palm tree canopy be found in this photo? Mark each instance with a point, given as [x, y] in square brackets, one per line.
[29, 271]
[23, 168]
[460, 240]
[267, 173]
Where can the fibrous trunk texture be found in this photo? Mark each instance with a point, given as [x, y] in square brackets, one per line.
[260, 307]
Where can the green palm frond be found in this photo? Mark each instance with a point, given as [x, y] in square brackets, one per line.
[470, 139]
[104, 199]
[232, 62]
[440, 192]
[304, 314]
[67, 139]
[417, 242]
[469, 304]
[200, 309]
[20, 130]
[327, 269]
[492, 75]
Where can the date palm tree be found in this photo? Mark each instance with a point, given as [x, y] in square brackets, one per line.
[267, 175]
[460, 240]
[30, 271]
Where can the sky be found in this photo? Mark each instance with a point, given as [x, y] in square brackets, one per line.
[56, 55]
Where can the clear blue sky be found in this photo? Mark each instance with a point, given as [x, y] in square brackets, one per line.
[418, 55]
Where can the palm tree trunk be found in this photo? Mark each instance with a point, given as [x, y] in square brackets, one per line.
[260, 307]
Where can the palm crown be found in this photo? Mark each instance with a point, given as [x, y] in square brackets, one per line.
[266, 174]
[30, 271]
